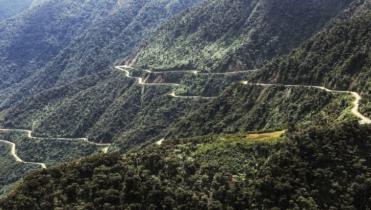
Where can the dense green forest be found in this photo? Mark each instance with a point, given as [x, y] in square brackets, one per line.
[315, 168]
[228, 35]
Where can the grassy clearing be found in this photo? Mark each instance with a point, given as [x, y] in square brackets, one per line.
[270, 137]
[227, 141]
[238, 153]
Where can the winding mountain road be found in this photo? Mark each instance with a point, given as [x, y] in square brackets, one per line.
[29, 135]
[187, 71]
[230, 73]
[173, 94]
[159, 142]
[355, 103]
[140, 80]
[179, 71]
[13, 152]
[124, 68]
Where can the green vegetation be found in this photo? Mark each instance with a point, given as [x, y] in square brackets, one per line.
[77, 91]
[49, 151]
[230, 35]
[226, 151]
[10, 170]
[128, 115]
[244, 108]
[338, 58]
[41, 34]
[61, 42]
[315, 168]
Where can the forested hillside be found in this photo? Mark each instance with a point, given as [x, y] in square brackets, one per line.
[68, 98]
[131, 115]
[36, 152]
[75, 69]
[62, 41]
[11, 171]
[30, 41]
[319, 168]
[338, 58]
[229, 35]
[62, 51]
[244, 108]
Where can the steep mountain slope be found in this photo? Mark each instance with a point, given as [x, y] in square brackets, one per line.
[319, 168]
[58, 55]
[30, 41]
[110, 107]
[120, 110]
[78, 39]
[244, 108]
[229, 35]
[11, 8]
[49, 151]
[338, 58]
[113, 107]
[94, 49]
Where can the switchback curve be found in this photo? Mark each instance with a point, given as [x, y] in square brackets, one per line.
[357, 98]
[13, 152]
